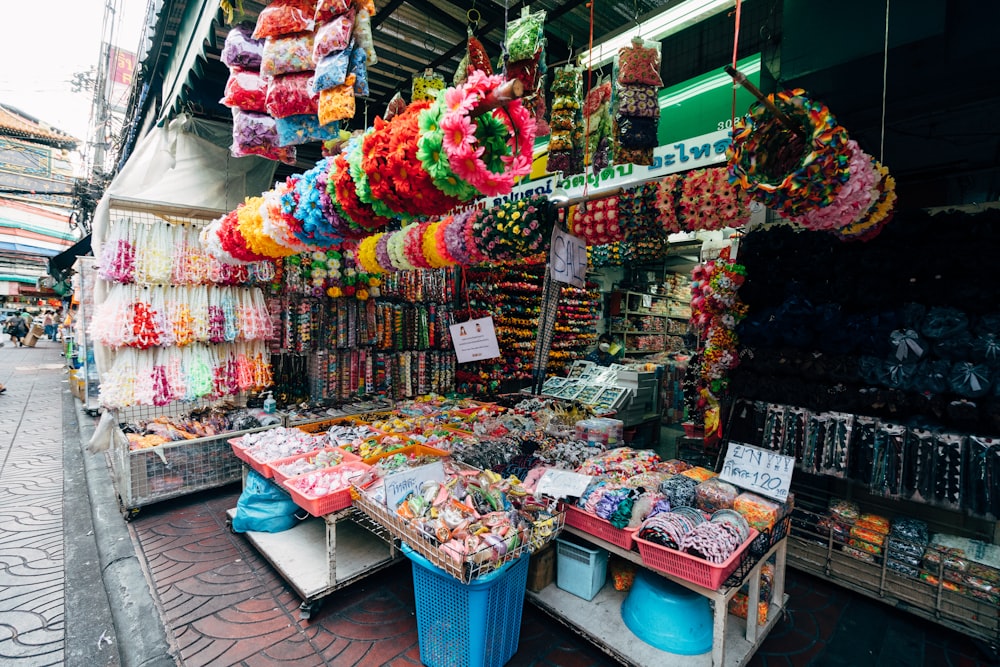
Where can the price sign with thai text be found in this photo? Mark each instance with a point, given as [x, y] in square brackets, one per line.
[759, 470]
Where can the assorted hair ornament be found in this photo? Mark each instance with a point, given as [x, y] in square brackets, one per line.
[815, 175]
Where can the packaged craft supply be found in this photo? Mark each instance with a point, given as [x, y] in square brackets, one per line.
[639, 63]
[699, 474]
[866, 540]
[714, 494]
[282, 17]
[245, 89]
[845, 511]
[600, 431]
[679, 491]
[241, 49]
[759, 512]
[948, 451]
[873, 522]
[257, 134]
[918, 466]
[303, 129]
[980, 494]
[289, 95]
[740, 604]
[285, 55]
[674, 466]
[334, 35]
[622, 573]
[858, 554]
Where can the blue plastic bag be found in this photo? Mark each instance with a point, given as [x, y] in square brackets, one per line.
[264, 507]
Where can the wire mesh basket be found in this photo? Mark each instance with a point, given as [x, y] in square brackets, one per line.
[474, 565]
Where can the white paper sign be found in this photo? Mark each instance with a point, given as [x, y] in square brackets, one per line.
[561, 483]
[475, 340]
[759, 470]
[399, 484]
[568, 258]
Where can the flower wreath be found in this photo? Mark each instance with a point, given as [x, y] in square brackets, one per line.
[435, 247]
[366, 255]
[778, 169]
[232, 240]
[362, 183]
[396, 247]
[275, 223]
[316, 228]
[455, 241]
[853, 200]
[878, 215]
[251, 226]
[513, 230]
[396, 175]
[413, 244]
[361, 215]
[487, 152]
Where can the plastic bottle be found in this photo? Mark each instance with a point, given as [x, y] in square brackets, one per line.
[270, 405]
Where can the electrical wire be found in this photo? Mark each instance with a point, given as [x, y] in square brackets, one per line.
[885, 79]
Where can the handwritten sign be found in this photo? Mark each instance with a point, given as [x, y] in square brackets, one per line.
[568, 258]
[561, 483]
[759, 470]
[475, 340]
[398, 485]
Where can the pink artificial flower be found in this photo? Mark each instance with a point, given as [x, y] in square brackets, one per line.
[458, 130]
[456, 100]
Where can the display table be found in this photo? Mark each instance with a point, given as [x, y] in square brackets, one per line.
[600, 620]
[323, 554]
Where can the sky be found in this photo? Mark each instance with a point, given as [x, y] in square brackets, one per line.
[43, 42]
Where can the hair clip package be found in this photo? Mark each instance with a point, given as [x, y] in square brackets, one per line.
[863, 449]
[774, 427]
[887, 462]
[839, 432]
[980, 494]
[793, 443]
[815, 443]
[948, 450]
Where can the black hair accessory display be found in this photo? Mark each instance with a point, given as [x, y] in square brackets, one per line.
[943, 322]
[957, 347]
[970, 380]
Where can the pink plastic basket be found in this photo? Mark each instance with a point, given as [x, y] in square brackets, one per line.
[688, 567]
[322, 505]
[280, 477]
[598, 527]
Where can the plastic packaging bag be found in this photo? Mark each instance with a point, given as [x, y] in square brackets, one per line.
[264, 507]
[525, 35]
[425, 86]
[303, 129]
[330, 72]
[245, 90]
[282, 17]
[328, 9]
[395, 106]
[359, 68]
[284, 55]
[639, 63]
[289, 95]
[363, 35]
[714, 494]
[333, 36]
[257, 134]
[638, 100]
[637, 133]
[241, 49]
[337, 103]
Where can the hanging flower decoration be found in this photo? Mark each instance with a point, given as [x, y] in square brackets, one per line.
[232, 241]
[250, 224]
[878, 215]
[367, 257]
[716, 309]
[782, 170]
[596, 222]
[275, 223]
[486, 151]
[513, 230]
[706, 200]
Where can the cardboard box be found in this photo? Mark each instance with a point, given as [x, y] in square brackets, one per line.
[542, 569]
[36, 332]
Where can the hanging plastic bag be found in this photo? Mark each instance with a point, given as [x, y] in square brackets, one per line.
[245, 90]
[331, 71]
[635, 132]
[282, 17]
[285, 55]
[257, 134]
[303, 129]
[333, 36]
[639, 63]
[363, 35]
[638, 100]
[264, 507]
[328, 9]
[241, 49]
[425, 86]
[396, 105]
[289, 94]
[337, 103]
[359, 68]
[525, 35]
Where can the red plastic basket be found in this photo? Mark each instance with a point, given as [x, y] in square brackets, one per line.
[242, 454]
[280, 477]
[598, 527]
[322, 505]
[688, 567]
[238, 451]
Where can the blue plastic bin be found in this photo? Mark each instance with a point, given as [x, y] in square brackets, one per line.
[468, 625]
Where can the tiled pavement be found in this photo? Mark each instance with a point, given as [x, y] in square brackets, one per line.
[223, 605]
